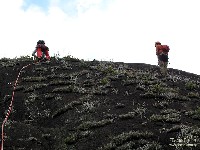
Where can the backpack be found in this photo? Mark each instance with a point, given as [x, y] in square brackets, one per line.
[43, 47]
[165, 48]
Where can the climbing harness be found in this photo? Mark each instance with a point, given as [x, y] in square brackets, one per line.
[11, 103]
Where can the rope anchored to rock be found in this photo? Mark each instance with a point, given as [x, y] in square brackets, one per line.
[11, 105]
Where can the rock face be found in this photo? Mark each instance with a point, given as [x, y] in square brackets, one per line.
[72, 104]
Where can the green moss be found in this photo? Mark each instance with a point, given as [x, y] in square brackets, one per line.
[157, 88]
[104, 81]
[195, 114]
[66, 108]
[94, 124]
[125, 137]
[65, 89]
[191, 85]
[71, 139]
[148, 94]
[59, 82]
[8, 63]
[167, 115]
[25, 58]
[34, 79]
[161, 104]
[71, 58]
[129, 115]
[41, 69]
[49, 96]
[74, 137]
[182, 98]
[193, 95]
[35, 87]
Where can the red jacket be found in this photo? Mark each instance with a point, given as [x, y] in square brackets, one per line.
[41, 49]
[160, 49]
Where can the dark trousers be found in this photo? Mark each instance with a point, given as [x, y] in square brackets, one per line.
[163, 63]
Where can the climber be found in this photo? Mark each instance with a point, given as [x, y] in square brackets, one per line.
[162, 54]
[42, 51]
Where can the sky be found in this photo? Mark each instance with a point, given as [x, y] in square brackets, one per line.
[108, 30]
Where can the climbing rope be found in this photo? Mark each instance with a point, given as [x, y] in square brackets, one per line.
[11, 105]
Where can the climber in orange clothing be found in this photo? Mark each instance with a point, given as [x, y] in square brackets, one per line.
[162, 54]
[42, 51]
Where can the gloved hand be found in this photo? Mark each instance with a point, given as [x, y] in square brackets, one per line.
[33, 54]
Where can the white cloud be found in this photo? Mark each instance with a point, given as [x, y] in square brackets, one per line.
[124, 31]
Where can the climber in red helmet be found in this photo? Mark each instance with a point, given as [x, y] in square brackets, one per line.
[42, 51]
[162, 54]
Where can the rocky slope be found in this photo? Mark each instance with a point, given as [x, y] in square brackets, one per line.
[72, 104]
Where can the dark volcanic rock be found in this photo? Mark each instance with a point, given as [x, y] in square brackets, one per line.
[71, 104]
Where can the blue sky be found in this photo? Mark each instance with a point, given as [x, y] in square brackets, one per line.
[67, 6]
[44, 4]
[117, 30]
